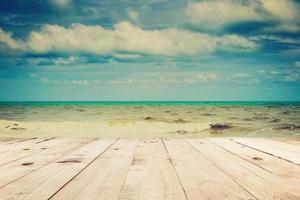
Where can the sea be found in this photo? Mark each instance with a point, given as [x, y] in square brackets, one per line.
[238, 118]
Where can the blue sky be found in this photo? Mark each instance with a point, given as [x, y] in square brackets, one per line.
[149, 50]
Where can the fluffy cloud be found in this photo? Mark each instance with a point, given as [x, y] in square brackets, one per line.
[283, 10]
[174, 78]
[278, 39]
[80, 82]
[282, 76]
[124, 37]
[126, 56]
[133, 15]
[69, 61]
[65, 82]
[240, 75]
[32, 75]
[217, 14]
[289, 28]
[60, 61]
[61, 3]
[297, 64]
[7, 41]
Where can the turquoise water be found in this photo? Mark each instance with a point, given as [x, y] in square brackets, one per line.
[109, 103]
[244, 117]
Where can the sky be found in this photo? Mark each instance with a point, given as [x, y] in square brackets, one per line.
[206, 50]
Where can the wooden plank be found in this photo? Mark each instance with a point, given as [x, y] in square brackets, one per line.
[289, 140]
[17, 140]
[5, 141]
[28, 150]
[151, 174]
[278, 149]
[19, 145]
[17, 169]
[275, 165]
[279, 144]
[258, 181]
[45, 182]
[103, 179]
[199, 177]
[4, 144]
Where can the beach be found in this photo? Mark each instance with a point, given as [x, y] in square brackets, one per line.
[140, 150]
[150, 100]
[146, 119]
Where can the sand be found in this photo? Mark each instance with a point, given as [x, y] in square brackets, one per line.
[109, 128]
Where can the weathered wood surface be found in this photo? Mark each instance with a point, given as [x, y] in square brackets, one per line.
[104, 178]
[43, 183]
[22, 150]
[151, 174]
[7, 147]
[131, 168]
[19, 168]
[281, 150]
[259, 182]
[286, 170]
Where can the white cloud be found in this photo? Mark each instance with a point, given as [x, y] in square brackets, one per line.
[7, 39]
[284, 76]
[206, 77]
[253, 81]
[240, 75]
[172, 78]
[61, 3]
[126, 56]
[290, 28]
[133, 15]
[57, 60]
[291, 52]
[79, 82]
[261, 72]
[68, 61]
[291, 76]
[125, 37]
[286, 12]
[281, 9]
[274, 38]
[65, 82]
[45, 80]
[217, 14]
[32, 75]
[297, 64]
[275, 72]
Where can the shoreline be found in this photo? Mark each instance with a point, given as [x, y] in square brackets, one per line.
[130, 128]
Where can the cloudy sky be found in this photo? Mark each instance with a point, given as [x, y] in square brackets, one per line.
[149, 50]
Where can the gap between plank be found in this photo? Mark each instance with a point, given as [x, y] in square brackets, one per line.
[45, 140]
[22, 140]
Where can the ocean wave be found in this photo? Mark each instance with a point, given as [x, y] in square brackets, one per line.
[289, 127]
